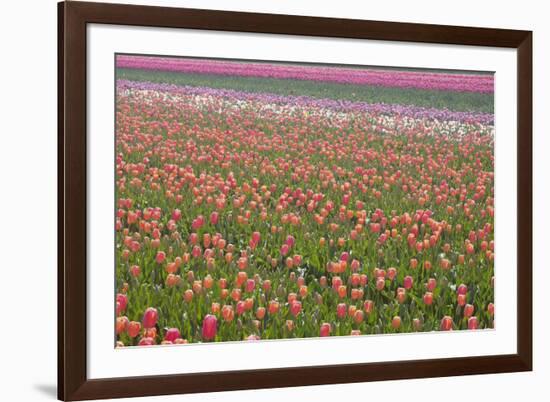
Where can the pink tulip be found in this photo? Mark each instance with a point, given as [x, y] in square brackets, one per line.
[241, 307]
[209, 327]
[176, 215]
[341, 310]
[256, 237]
[146, 341]
[172, 334]
[285, 249]
[250, 285]
[462, 289]
[161, 256]
[290, 240]
[122, 299]
[214, 216]
[325, 329]
[150, 318]
[135, 271]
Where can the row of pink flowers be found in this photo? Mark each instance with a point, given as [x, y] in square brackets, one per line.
[481, 83]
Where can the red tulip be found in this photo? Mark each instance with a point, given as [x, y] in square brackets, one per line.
[368, 306]
[121, 324]
[273, 307]
[446, 323]
[260, 313]
[133, 329]
[358, 316]
[227, 313]
[428, 298]
[295, 308]
[468, 310]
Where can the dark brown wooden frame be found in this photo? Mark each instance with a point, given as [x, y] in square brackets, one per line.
[73, 17]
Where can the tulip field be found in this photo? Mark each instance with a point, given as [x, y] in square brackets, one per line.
[261, 201]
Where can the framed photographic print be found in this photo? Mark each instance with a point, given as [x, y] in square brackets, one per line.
[253, 200]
